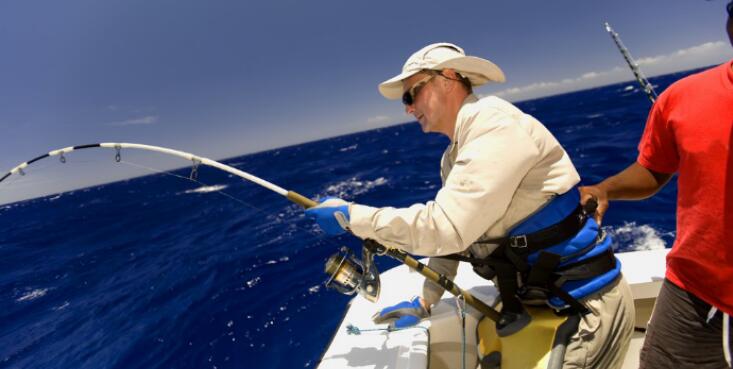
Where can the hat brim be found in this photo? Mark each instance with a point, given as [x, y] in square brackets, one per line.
[478, 70]
[392, 88]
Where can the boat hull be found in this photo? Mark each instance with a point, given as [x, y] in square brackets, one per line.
[438, 342]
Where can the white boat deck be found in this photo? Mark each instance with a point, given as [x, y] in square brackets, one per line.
[437, 343]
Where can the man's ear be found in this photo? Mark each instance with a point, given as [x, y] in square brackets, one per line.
[452, 76]
[450, 73]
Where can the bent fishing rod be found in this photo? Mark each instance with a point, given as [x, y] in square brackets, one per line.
[338, 273]
[196, 161]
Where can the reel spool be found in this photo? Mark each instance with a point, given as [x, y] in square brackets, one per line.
[349, 275]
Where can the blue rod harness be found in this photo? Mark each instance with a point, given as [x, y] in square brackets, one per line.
[558, 255]
[588, 244]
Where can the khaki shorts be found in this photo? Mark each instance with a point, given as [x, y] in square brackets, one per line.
[604, 334]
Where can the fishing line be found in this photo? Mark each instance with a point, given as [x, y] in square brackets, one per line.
[257, 210]
[160, 171]
[27, 179]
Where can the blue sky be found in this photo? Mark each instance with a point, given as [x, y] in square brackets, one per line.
[224, 78]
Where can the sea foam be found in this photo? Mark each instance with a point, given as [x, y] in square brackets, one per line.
[32, 295]
[633, 237]
[353, 186]
[206, 189]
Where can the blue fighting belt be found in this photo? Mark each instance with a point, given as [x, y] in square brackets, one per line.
[559, 254]
[588, 246]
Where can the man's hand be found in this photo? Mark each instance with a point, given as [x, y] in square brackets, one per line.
[332, 215]
[600, 195]
[404, 314]
[633, 183]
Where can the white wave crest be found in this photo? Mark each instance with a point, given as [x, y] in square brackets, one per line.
[32, 295]
[206, 189]
[253, 282]
[352, 187]
[282, 259]
[352, 147]
[62, 306]
[634, 237]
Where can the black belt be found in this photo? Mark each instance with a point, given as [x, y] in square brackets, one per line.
[546, 237]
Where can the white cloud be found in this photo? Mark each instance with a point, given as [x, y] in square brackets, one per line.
[150, 119]
[705, 54]
[378, 119]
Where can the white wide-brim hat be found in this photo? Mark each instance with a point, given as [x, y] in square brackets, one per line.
[443, 56]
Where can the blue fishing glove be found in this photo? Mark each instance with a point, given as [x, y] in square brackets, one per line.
[332, 215]
[402, 315]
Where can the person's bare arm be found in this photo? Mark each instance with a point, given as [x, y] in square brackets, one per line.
[633, 183]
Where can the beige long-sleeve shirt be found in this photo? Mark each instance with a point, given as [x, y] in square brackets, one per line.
[501, 166]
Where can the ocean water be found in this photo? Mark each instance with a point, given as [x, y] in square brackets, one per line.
[164, 272]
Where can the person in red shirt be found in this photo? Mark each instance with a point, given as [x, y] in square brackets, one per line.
[689, 131]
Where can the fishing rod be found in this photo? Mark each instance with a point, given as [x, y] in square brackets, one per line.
[347, 274]
[648, 88]
[196, 162]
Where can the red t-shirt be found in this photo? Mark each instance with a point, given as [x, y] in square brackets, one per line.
[690, 131]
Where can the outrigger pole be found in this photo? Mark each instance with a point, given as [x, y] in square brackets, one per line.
[290, 195]
[648, 88]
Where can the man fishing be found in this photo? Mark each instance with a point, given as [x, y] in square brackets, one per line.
[689, 131]
[508, 205]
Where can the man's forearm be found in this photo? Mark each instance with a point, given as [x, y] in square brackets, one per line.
[634, 183]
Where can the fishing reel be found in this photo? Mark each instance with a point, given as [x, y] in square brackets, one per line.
[348, 275]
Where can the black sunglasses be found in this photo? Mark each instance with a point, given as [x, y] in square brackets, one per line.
[408, 98]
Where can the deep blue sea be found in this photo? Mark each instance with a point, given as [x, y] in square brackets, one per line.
[163, 272]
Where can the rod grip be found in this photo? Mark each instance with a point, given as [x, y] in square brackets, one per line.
[301, 200]
[590, 206]
[447, 284]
